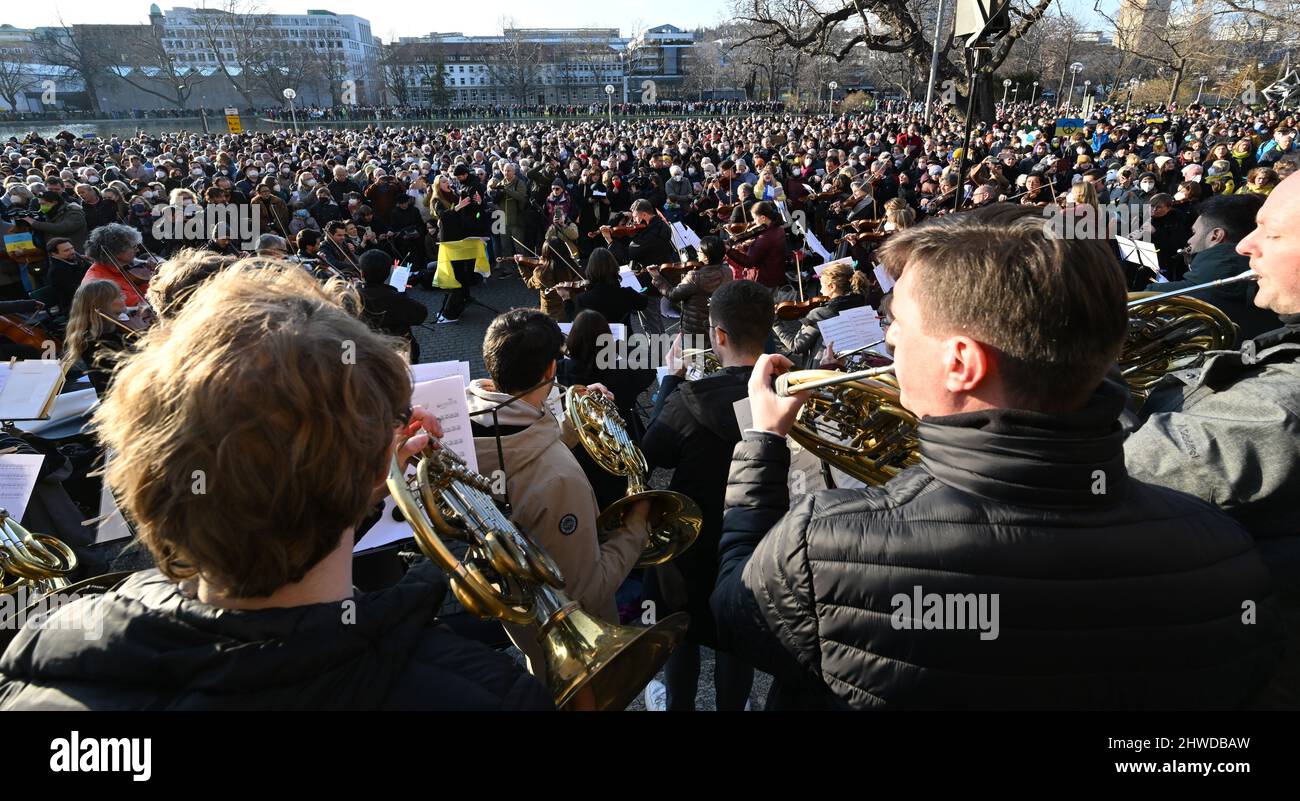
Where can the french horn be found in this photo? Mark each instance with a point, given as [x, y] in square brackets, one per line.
[37, 563]
[1170, 331]
[701, 361]
[854, 421]
[675, 519]
[590, 664]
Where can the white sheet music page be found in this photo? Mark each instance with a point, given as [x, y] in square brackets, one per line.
[28, 387]
[18, 472]
[852, 328]
[430, 371]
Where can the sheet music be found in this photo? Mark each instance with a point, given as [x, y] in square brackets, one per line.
[679, 241]
[815, 245]
[445, 397]
[882, 277]
[26, 387]
[1160, 278]
[18, 472]
[628, 279]
[399, 277]
[852, 328]
[431, 371]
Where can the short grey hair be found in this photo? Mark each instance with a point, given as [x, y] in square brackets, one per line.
[106, 241]
[267, 242]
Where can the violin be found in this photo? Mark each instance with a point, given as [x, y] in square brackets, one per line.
[752, 232]
[794, 309]
[675, 267]
[829, 194]
[524, 261]
[571, 285]
[629, 230]
[24, 332]
[731, 228]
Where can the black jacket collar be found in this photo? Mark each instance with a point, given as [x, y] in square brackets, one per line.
[1071, 460]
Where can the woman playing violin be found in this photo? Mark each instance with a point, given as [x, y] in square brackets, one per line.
[95, 334]
[844, 288]
[112, 248]
[692, 293]
[763, 258]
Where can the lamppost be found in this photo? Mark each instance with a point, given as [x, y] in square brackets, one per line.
[1006, 87]
[1015, 93]
[1033, 93]
[1200, 88]
[1087, 87]
[1132, 87]
[289, 95]
[833, 86]
[1075, 69]
[203, 109]
[609, 93]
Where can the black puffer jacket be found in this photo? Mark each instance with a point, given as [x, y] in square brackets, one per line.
[1128, 598]
[693, 432]
[162, 650]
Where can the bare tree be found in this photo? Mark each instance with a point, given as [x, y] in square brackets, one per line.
[227, 31]
[80, 51]
[888, 26]
[15, 79]
[154, 70]
[1184, 41]
[516, 66]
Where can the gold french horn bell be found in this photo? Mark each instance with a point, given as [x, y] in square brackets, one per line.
[39, 562]
[675, 519]
[590, 664]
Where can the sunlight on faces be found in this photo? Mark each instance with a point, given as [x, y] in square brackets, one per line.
[1274, 249]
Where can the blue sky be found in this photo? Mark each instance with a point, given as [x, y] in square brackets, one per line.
[414, 19]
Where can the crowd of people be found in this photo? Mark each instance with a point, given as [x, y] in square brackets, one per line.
[1124, 536]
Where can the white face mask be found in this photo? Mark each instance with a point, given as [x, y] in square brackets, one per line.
[311, 182]
[253, 173]
[147, 195]
[1147, 186]
[94, 179]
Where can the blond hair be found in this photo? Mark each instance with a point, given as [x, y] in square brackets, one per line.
[85, 323]
[179, 276]
[249, 431]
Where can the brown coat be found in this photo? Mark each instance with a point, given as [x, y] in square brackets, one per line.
[554, 506]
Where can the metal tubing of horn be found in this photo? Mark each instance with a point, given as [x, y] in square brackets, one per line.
[857, 350]
[1249, 275]
[784, 390]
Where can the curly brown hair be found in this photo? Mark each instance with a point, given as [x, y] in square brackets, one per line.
[249, 431]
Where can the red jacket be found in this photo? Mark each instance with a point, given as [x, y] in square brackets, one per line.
[105, 272]
[762, 260]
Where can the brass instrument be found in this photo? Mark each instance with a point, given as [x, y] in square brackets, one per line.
[1168, 331]
[702, 361]
[590, 664]
[38, 563]
[675, 519]
[854, 421]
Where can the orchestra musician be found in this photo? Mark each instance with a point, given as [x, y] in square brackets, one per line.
[763, 257]
[96, 334]
[603, 292]
[252, 604]
[383, 306]
[178, 277]
[1022, 464]
[653, 244]
[112, 249]
[845, 288]
[551, 500]
[692, 431]
[337, 251]
[692, 294]
[1227, 431]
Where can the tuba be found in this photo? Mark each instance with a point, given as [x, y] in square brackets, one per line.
[590, 664]
[38, 563]
[675, 519]
[854, 422]
[1169, 331]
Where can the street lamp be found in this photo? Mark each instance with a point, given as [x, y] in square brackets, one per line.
[1132, 87]
[1200, 88]
[609, 92]
[1006, 87]
[833, 86]
[1075, 69]
[289, 95]
[1033, 94]
[1087, 87]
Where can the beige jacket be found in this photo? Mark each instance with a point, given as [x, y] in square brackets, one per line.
[553, 505]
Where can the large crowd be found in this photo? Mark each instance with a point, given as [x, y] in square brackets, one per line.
[1014, 388]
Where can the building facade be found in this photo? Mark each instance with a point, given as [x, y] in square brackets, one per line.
[662, 55]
